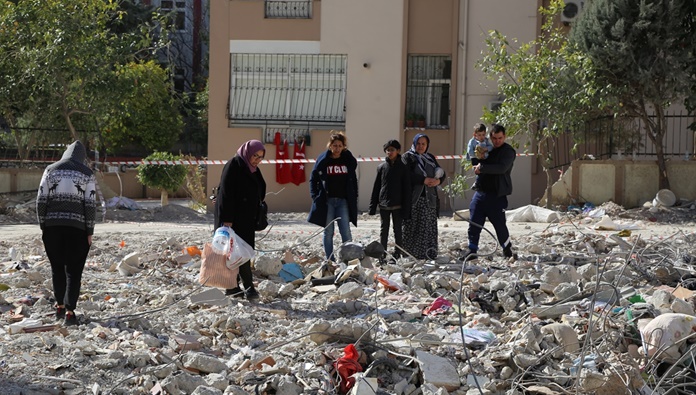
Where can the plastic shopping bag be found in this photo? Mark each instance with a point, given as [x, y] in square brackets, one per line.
[240, 251]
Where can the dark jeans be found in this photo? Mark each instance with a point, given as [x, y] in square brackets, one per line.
[67, 249]
[489, 206]
[384, 228]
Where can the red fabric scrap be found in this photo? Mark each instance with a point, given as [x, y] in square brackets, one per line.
[439, 305]
[347, 366]
[283, 175]
[298, 169]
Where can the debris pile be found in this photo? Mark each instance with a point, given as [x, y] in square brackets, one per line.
[581, 309]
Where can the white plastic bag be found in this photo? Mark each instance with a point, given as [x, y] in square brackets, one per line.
[240, 251]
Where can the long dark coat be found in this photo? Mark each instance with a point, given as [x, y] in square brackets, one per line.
[238, 198]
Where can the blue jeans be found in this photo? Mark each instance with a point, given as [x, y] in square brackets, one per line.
[336, 207]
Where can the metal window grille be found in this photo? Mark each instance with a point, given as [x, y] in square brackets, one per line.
[179, 17]
[428, 91]
[279, 9]
[290, 134]
[271, 88]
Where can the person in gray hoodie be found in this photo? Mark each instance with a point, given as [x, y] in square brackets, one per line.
[66, 210]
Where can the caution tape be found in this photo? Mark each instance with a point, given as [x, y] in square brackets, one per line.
[265, 161]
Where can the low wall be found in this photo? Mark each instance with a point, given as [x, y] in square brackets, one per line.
[625, 182]
[113, 184]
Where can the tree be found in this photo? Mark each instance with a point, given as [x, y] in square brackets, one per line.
[548, 87]
[644, 52]
[148, 112]
[166, 178]
[59, 62]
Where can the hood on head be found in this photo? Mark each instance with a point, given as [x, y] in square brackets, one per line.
[75, 152]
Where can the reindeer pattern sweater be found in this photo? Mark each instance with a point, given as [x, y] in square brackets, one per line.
[66, 195]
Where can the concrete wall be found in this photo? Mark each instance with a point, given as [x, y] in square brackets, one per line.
[23, 180]
[373, 98]
[628, 183]
[625, 182]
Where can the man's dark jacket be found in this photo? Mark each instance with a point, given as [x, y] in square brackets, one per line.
[392, 187]
[495, 171]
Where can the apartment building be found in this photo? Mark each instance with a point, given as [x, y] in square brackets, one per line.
[377, 69]
[189, 48]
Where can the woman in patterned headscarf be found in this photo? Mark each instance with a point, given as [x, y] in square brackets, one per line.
[420, 232]
[242, 188]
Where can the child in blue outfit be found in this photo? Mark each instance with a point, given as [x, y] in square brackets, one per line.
[478, 148]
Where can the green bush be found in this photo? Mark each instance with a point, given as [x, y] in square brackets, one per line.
[166, 178]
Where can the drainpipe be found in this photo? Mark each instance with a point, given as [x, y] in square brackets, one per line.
[460, 129]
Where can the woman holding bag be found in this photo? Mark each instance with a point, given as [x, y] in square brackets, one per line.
[242, 189]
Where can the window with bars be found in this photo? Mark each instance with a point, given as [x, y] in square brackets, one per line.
[428, 91]
[287, 88]
[178, 8]
[281, 9]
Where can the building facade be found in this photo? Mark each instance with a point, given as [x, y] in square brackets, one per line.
[378, 70]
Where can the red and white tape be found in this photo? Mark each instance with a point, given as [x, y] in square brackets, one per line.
[265, 161]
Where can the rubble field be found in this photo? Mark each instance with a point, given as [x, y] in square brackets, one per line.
[596, 301]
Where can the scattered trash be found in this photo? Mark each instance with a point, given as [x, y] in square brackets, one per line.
[665, 198]
[439, 306]
[575, 308]
[290, 272]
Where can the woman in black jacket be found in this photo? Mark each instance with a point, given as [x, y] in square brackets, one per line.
[242, 188]
[333, 187]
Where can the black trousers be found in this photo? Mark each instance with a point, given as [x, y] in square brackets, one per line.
[67, 249]
[485, 205]
[397, 220]
[245, 275]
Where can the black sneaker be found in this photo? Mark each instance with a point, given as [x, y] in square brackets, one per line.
[507, 252]
[60, 313]
[70, 319]
[235, 292]
[468, 255]
[251, 294]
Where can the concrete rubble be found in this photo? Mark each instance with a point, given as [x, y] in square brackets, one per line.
[580, 310]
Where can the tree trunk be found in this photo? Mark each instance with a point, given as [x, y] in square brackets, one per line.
[164, 198]
[543, 151]
[656, 133]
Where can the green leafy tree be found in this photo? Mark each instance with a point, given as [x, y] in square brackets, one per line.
[166, 178]
[644, 53]
[147, 114]
[60, 59]
[548, 86]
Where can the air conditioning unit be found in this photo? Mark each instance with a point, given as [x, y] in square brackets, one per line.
[494, 105]
[572, 10]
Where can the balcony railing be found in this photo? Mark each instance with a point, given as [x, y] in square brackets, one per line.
[279, 9]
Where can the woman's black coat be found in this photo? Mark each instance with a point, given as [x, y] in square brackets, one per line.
[238, 198]
[317, 189]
